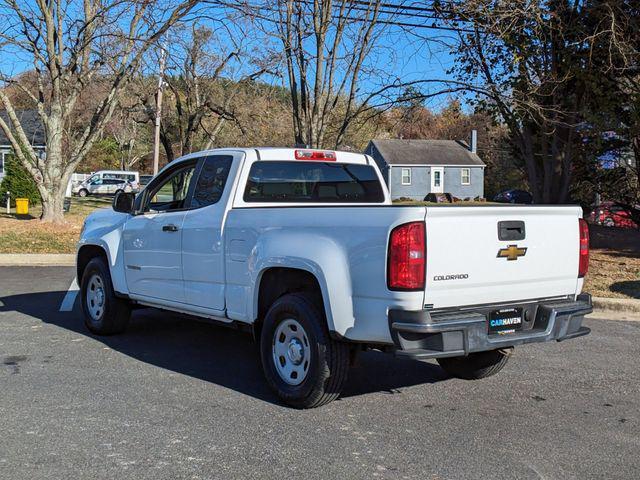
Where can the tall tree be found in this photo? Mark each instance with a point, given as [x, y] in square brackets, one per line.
[206, 70]
[332, 50]
[539, 66]
[71, 47]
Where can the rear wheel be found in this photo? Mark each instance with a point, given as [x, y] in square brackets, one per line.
[104, 313]
[302, 363]
[476, 365]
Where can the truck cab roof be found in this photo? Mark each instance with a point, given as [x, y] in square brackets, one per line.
[285, 154]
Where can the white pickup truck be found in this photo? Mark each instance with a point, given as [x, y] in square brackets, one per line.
[305, 249]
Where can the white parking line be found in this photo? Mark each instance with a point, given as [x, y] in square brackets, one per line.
[70, 298]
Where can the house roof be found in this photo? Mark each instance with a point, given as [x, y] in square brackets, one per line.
[31, 124]
[426, 152]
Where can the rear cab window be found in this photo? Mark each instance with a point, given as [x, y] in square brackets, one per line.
[211, 180]
[312, 182]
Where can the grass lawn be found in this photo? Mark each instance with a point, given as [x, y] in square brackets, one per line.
[28, 235]
[614, 267]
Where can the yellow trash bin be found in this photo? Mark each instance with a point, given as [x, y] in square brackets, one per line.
[22, 206]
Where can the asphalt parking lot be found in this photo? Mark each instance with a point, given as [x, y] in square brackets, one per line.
[178, 399]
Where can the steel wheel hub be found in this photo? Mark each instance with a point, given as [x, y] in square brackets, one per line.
[95, 297]
[291, 351]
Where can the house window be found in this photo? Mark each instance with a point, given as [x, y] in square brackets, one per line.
[465, 176]
[406, 176]
[2, 155]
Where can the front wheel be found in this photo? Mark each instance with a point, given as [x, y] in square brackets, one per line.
[104, 313]
[83, 193]
[302, 363]
[476, 365]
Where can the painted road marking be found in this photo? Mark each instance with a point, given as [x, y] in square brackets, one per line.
[70, 298]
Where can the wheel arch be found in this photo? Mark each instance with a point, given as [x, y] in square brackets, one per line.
[86, 253]
[89, 250]
[275, 281]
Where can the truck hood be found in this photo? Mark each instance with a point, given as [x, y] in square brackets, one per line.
[103, 221]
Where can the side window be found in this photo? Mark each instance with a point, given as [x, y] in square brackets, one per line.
[465, 176]
[171, 192]
[406, 176]
[211, 180]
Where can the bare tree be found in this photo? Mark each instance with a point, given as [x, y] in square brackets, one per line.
[334, 78]
[206, 69]
[71, 47]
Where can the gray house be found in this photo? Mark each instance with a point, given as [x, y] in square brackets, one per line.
[415, 168]
[33, 129]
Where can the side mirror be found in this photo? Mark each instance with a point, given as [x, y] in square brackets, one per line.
[123, 202]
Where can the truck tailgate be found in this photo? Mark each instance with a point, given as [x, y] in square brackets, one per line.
[468, 263]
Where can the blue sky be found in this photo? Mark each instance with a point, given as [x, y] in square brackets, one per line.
[399, 55]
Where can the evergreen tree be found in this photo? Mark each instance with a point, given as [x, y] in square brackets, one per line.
[18, 182]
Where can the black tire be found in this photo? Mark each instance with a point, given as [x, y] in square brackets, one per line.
[476, 365]
[118, 191]
[328, 358]
[114, 314]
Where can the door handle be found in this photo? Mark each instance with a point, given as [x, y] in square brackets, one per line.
[169, 228]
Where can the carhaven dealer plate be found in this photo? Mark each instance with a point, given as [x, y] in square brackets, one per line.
[505, 320]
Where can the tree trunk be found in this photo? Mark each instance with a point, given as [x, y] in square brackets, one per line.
[56, 173]
[52, 206]
[52, 190]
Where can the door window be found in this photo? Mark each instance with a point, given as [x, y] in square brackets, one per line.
[211, 180]
[171, 192]
[437, 179]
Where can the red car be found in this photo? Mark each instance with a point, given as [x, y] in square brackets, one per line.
[611, 215]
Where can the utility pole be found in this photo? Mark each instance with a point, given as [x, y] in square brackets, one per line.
[156, 143]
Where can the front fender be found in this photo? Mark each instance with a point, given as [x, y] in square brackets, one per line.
[319, 255]
[107, 235]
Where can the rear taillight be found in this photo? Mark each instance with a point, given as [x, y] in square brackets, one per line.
[407, 257]
[584, 248]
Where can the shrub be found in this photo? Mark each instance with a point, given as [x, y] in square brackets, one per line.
[18, 182]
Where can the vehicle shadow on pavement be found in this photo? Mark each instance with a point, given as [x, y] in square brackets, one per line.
[627, 287]
[223, 356]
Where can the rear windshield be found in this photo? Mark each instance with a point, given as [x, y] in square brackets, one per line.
[312, 182]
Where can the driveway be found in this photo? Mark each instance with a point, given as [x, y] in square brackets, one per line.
[177, 399]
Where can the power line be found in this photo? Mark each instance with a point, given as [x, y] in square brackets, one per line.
[361, 19]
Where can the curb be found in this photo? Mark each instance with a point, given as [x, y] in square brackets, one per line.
[37, 260]
[627, 305]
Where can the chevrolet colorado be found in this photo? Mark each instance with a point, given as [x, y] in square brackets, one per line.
[305, 249]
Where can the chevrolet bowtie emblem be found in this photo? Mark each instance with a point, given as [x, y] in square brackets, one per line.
[512, 252]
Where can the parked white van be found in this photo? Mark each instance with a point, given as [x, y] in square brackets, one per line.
[108, 182]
